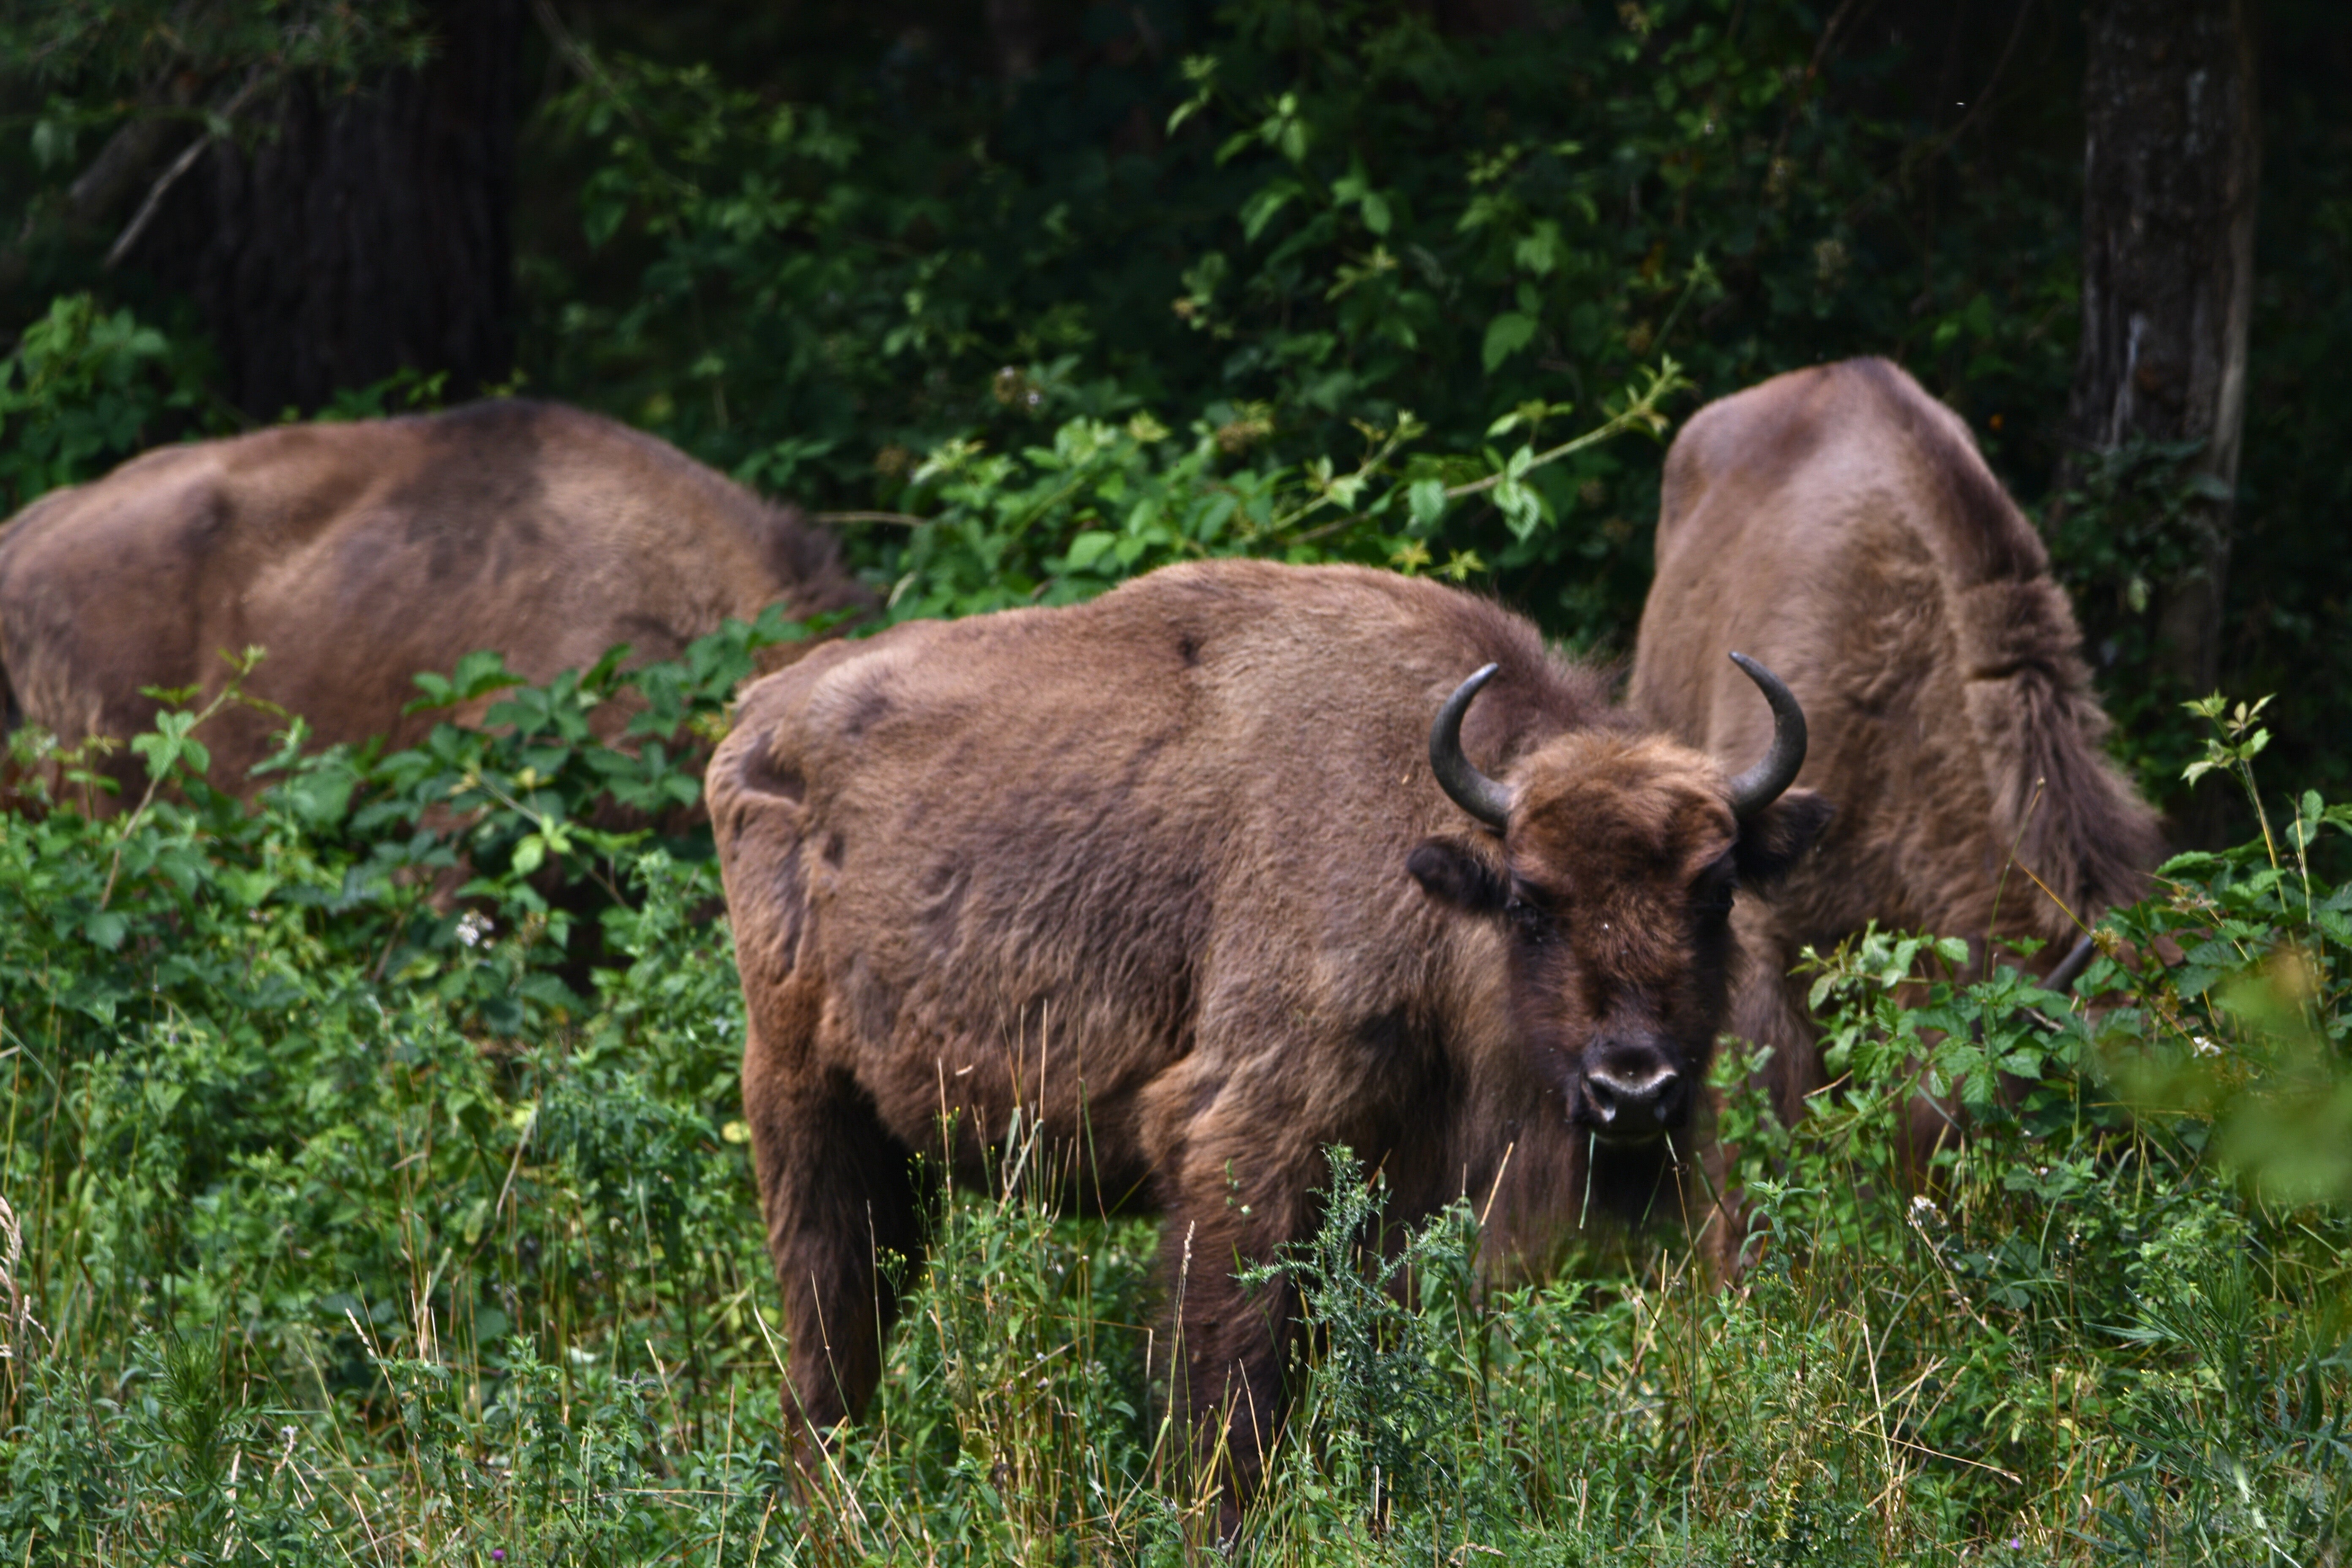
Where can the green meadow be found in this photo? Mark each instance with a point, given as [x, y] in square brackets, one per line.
[371, 1204]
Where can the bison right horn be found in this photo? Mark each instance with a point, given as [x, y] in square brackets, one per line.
[1468, 788]
[1760, 786]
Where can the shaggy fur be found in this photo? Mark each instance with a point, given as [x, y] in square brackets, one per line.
[1168, 875]
[360, 554]
[1839, 524]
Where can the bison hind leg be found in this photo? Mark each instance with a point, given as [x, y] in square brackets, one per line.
[846, 1214]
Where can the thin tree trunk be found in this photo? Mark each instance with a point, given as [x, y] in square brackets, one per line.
[2171, 163]
[350, 236]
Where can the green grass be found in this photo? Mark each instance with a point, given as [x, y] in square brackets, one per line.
[345, 1229]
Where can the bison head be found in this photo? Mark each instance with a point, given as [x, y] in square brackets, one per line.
[1613, 875]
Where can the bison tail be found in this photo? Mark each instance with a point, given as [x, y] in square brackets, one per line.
[758, 815]
[2078, 824]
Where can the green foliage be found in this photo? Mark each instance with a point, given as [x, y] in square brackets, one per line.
[240, 1043]
[118, 46]
[1329, 219]
[1016, 1422]
[405, 391]
[1381, 1401]
[2136, 520]
[815, 254]
[347, 1221]
[375, 1185]
[2260, 942]
[82, 390]
[1106, 502]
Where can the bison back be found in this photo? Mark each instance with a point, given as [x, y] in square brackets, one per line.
[1841, 525]
[1113, 861]
[359, 554]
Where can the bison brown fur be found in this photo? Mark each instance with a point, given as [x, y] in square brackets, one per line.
[1841, 525]
[1168, 875]
[357, 555]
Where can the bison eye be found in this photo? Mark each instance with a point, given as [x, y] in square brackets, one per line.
[1529, 921]
[1714, 900]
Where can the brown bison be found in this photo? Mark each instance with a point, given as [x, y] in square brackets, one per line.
[1840, 525]
[1185, 879]
[358, 555]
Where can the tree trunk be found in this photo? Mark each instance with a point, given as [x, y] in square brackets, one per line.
[348, 236]
[2171, 162]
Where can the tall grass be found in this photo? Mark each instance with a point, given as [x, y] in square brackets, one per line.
[348, 1225]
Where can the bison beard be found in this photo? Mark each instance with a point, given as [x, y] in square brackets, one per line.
[1172, 876]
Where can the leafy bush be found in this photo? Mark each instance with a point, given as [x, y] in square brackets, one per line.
[82, 390]
[1290, 222]
[375, 1185]
[1106, 502]
[346, 1220]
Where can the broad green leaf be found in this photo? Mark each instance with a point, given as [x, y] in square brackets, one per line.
[1088, 548]
[1506, 335]
[1261, 208]
[1521, 508]
[1425, 502]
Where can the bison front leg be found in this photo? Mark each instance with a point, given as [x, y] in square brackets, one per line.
[1237, 1209]
[839, 1196]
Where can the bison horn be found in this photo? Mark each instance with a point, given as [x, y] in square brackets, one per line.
[1468, 788]
[1760, 786]
[2070, 968]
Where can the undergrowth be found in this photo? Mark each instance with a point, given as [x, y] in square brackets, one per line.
[374, 1193]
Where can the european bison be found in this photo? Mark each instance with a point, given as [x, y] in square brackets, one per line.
[1184, 878]
[1840, 525]
[360, 554]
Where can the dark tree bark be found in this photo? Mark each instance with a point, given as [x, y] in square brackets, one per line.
[341, 237]
[2171, 163]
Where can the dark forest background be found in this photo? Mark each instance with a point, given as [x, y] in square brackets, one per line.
[812, 242]
[342, 1221]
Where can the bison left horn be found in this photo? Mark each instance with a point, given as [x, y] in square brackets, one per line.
[1468, 788]
[1760, 786]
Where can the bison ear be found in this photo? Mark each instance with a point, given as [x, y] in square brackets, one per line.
[1771, 841]
[1450, 873]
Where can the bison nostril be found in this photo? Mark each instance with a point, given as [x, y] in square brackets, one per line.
[1635, 1104]
[1666, 1094]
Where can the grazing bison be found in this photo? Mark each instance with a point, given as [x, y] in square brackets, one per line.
[1185, 879]
[1840, 525]
[360, 554]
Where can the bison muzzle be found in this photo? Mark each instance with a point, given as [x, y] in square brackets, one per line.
[1186, 879]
